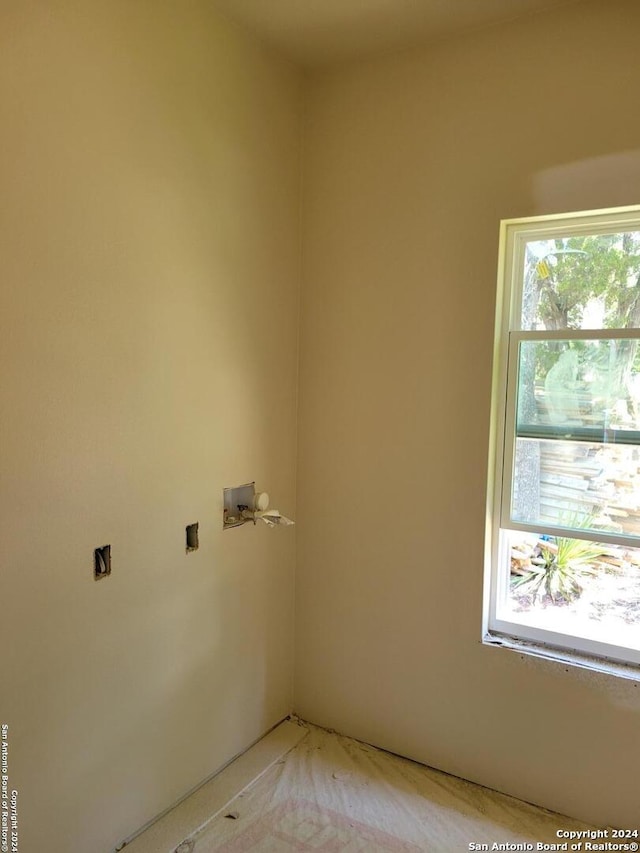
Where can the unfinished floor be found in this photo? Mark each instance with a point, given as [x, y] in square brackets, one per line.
[305, 789]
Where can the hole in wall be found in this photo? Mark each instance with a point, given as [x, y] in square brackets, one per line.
[192, 537]
[102, 562]
[236, 499]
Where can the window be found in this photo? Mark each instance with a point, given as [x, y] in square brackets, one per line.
[563, 540]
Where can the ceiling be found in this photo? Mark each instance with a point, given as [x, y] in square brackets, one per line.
[318, 32]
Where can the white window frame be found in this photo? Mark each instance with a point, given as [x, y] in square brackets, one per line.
[514, 236]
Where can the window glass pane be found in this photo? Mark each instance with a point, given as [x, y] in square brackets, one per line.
[577, 485]
[585, 389]
[577, 449]
[582, 282]
[575, 587]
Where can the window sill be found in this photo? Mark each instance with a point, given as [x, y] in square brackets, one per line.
[566, 657]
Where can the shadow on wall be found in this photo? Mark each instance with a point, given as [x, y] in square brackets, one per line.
[608, 181]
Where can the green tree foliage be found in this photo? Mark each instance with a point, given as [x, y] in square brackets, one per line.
[566, 278]
[605, 267]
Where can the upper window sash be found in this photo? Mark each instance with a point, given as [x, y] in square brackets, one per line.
[517, 233]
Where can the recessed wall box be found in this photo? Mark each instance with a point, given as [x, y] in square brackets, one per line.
[102, 562]
[193, 542]
[243, 504]
[236, 501]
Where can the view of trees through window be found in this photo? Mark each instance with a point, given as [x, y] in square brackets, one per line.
[584, 282]
[576, 451]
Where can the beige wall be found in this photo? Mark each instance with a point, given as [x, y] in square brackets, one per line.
[411, 163]
[149, 175]
[149, 245]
